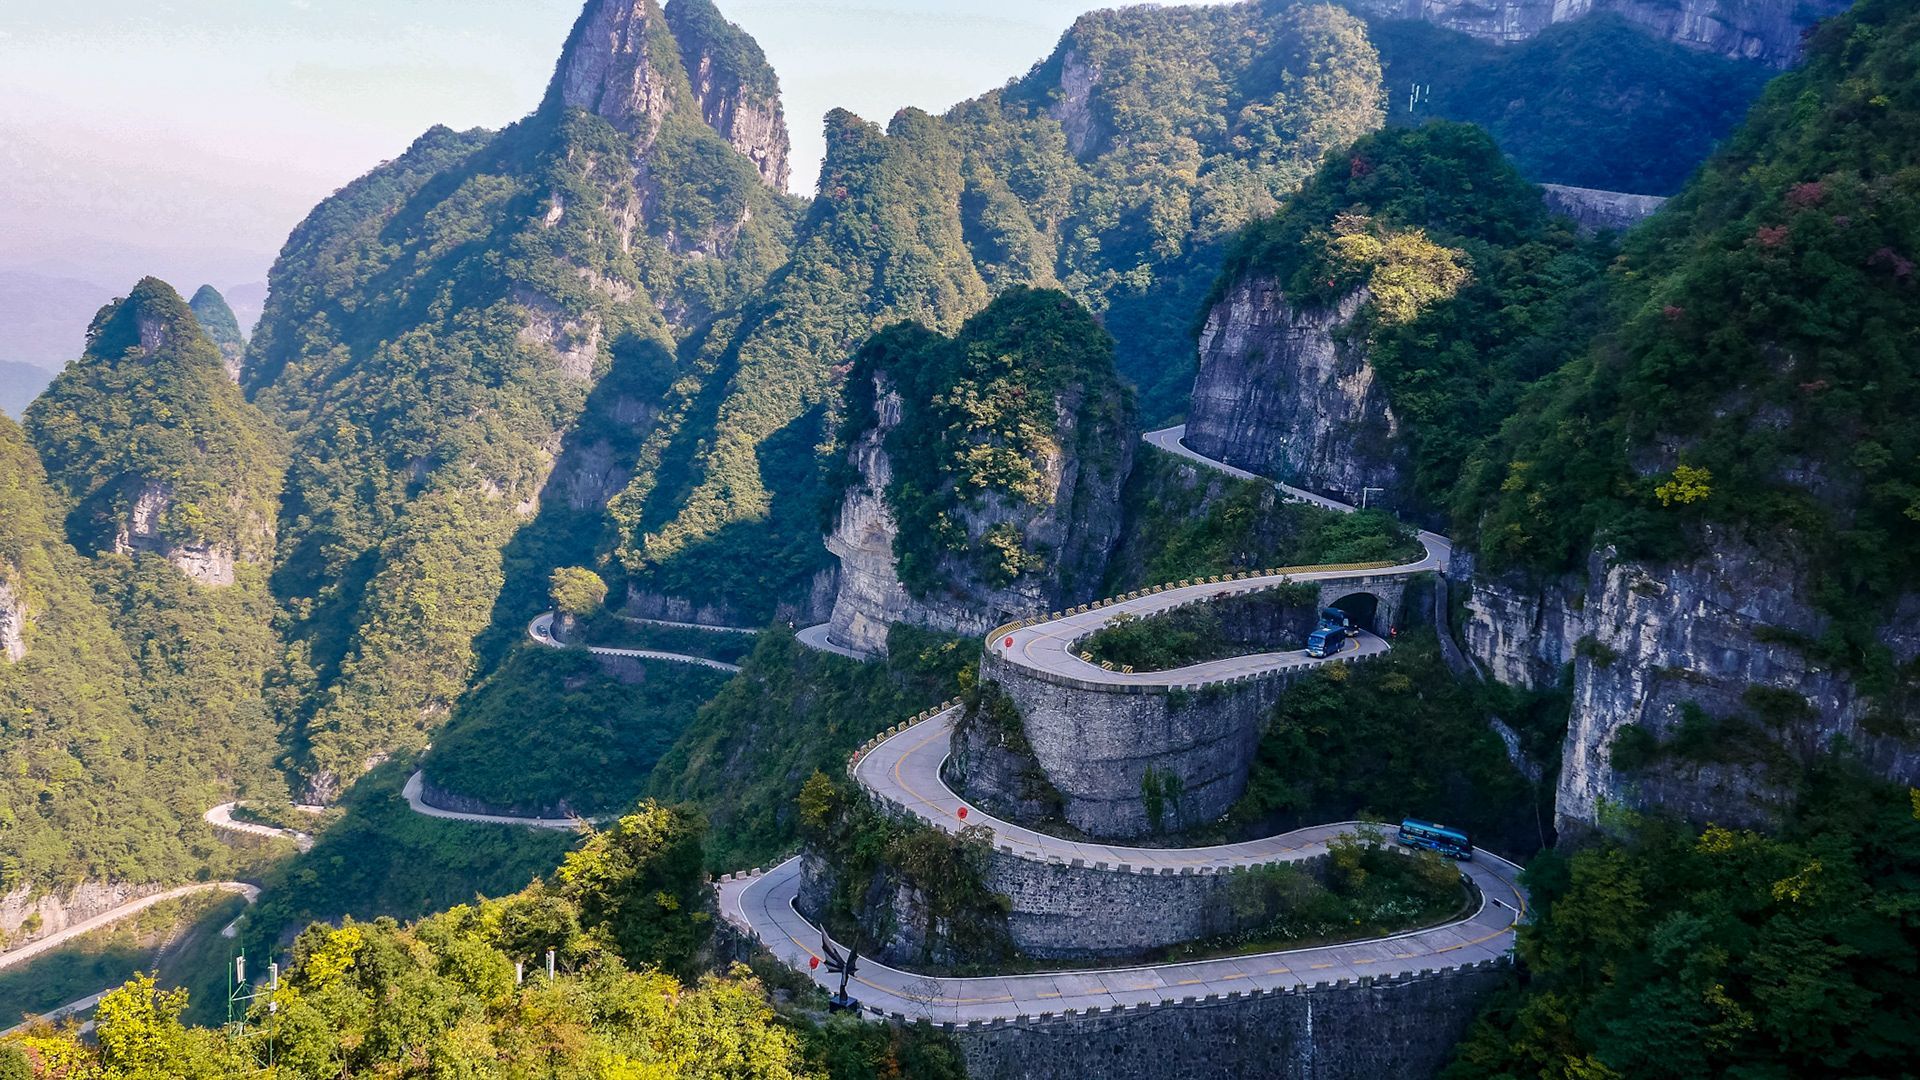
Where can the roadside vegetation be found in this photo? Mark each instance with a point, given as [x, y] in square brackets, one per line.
[556, 727]
[1183, 520]
[178, 940]
[792, 712]
[1274, 620]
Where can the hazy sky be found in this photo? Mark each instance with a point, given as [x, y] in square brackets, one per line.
[186, 137]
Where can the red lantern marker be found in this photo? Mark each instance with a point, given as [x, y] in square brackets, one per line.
[1009, 641]
[963, 813]
[813, 962]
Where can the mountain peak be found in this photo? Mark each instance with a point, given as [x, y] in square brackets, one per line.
[613, 67]
[631, 63]
[152, 317]
[737, 90]
[222, 326]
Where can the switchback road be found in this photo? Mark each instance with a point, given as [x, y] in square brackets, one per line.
[904, 769]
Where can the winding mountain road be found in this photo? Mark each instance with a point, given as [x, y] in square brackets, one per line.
[221, 817]
[541, 630]
[115, 914]
[904, 769]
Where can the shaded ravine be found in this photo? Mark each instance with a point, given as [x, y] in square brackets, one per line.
[904, 769]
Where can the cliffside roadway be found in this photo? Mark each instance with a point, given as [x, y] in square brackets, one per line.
[221, 817]
[115, 914]
[1048, 646]
[107, 918]
[904, 769]
[541, 630]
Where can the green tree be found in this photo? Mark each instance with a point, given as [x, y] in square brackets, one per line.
[643, 883]
[576, 591]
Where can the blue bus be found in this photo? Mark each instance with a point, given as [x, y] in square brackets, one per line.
[1452, 843]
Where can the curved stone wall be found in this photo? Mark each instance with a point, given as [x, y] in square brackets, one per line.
[1097, 743]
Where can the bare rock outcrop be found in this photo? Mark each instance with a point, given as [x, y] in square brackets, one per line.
[1077, 522]
[735, 87]
[1594, 210]
[1767, 31]
[1712, 661]
[13, 622]
[27, 915]
[608, 69]
[1280, 394]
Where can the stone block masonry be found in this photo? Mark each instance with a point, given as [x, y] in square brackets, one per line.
[1102, 745]
[1141, 909]
[1348, 1031]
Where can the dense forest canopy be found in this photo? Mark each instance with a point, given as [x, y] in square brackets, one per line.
[1756, 368]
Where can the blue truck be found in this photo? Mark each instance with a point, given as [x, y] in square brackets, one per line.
[1331, 635]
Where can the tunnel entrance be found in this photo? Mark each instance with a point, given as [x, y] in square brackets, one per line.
[1364, 609]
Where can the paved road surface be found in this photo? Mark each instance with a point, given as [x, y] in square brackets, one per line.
[763, 905]
[815, 637]
[221, 817]
[689, 625]
[26, 952]
[1050, 645]
[905, 769]
[541, 630]
[411, 792]
[61, 1013]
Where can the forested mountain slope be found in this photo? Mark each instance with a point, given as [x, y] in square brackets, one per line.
[222, 327]
[89, 793]
[1381, 326]
[134, 678]
[1115, 170]
[153, 446]
[435, 327]
[1719, 496]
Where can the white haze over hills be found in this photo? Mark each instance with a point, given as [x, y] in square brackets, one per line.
[185, 138]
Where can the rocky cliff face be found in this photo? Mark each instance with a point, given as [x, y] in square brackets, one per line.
[51, 912]
[208, 562]
[1712, 661]
[1076, 523]
[13, 622]
[1279, 394]
[1764, 30]
[610, 68]
[735, 87]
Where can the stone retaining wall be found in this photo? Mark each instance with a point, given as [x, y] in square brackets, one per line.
[1097, 742]
[1138, 910]
[1404, 1027]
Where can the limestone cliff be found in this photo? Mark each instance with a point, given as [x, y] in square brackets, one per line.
[1764, 30]
[983, 474]
[737, 91]
[13, 619]
[1281, 394]
[1708, 672]
[613, 68]
[1594, 210]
